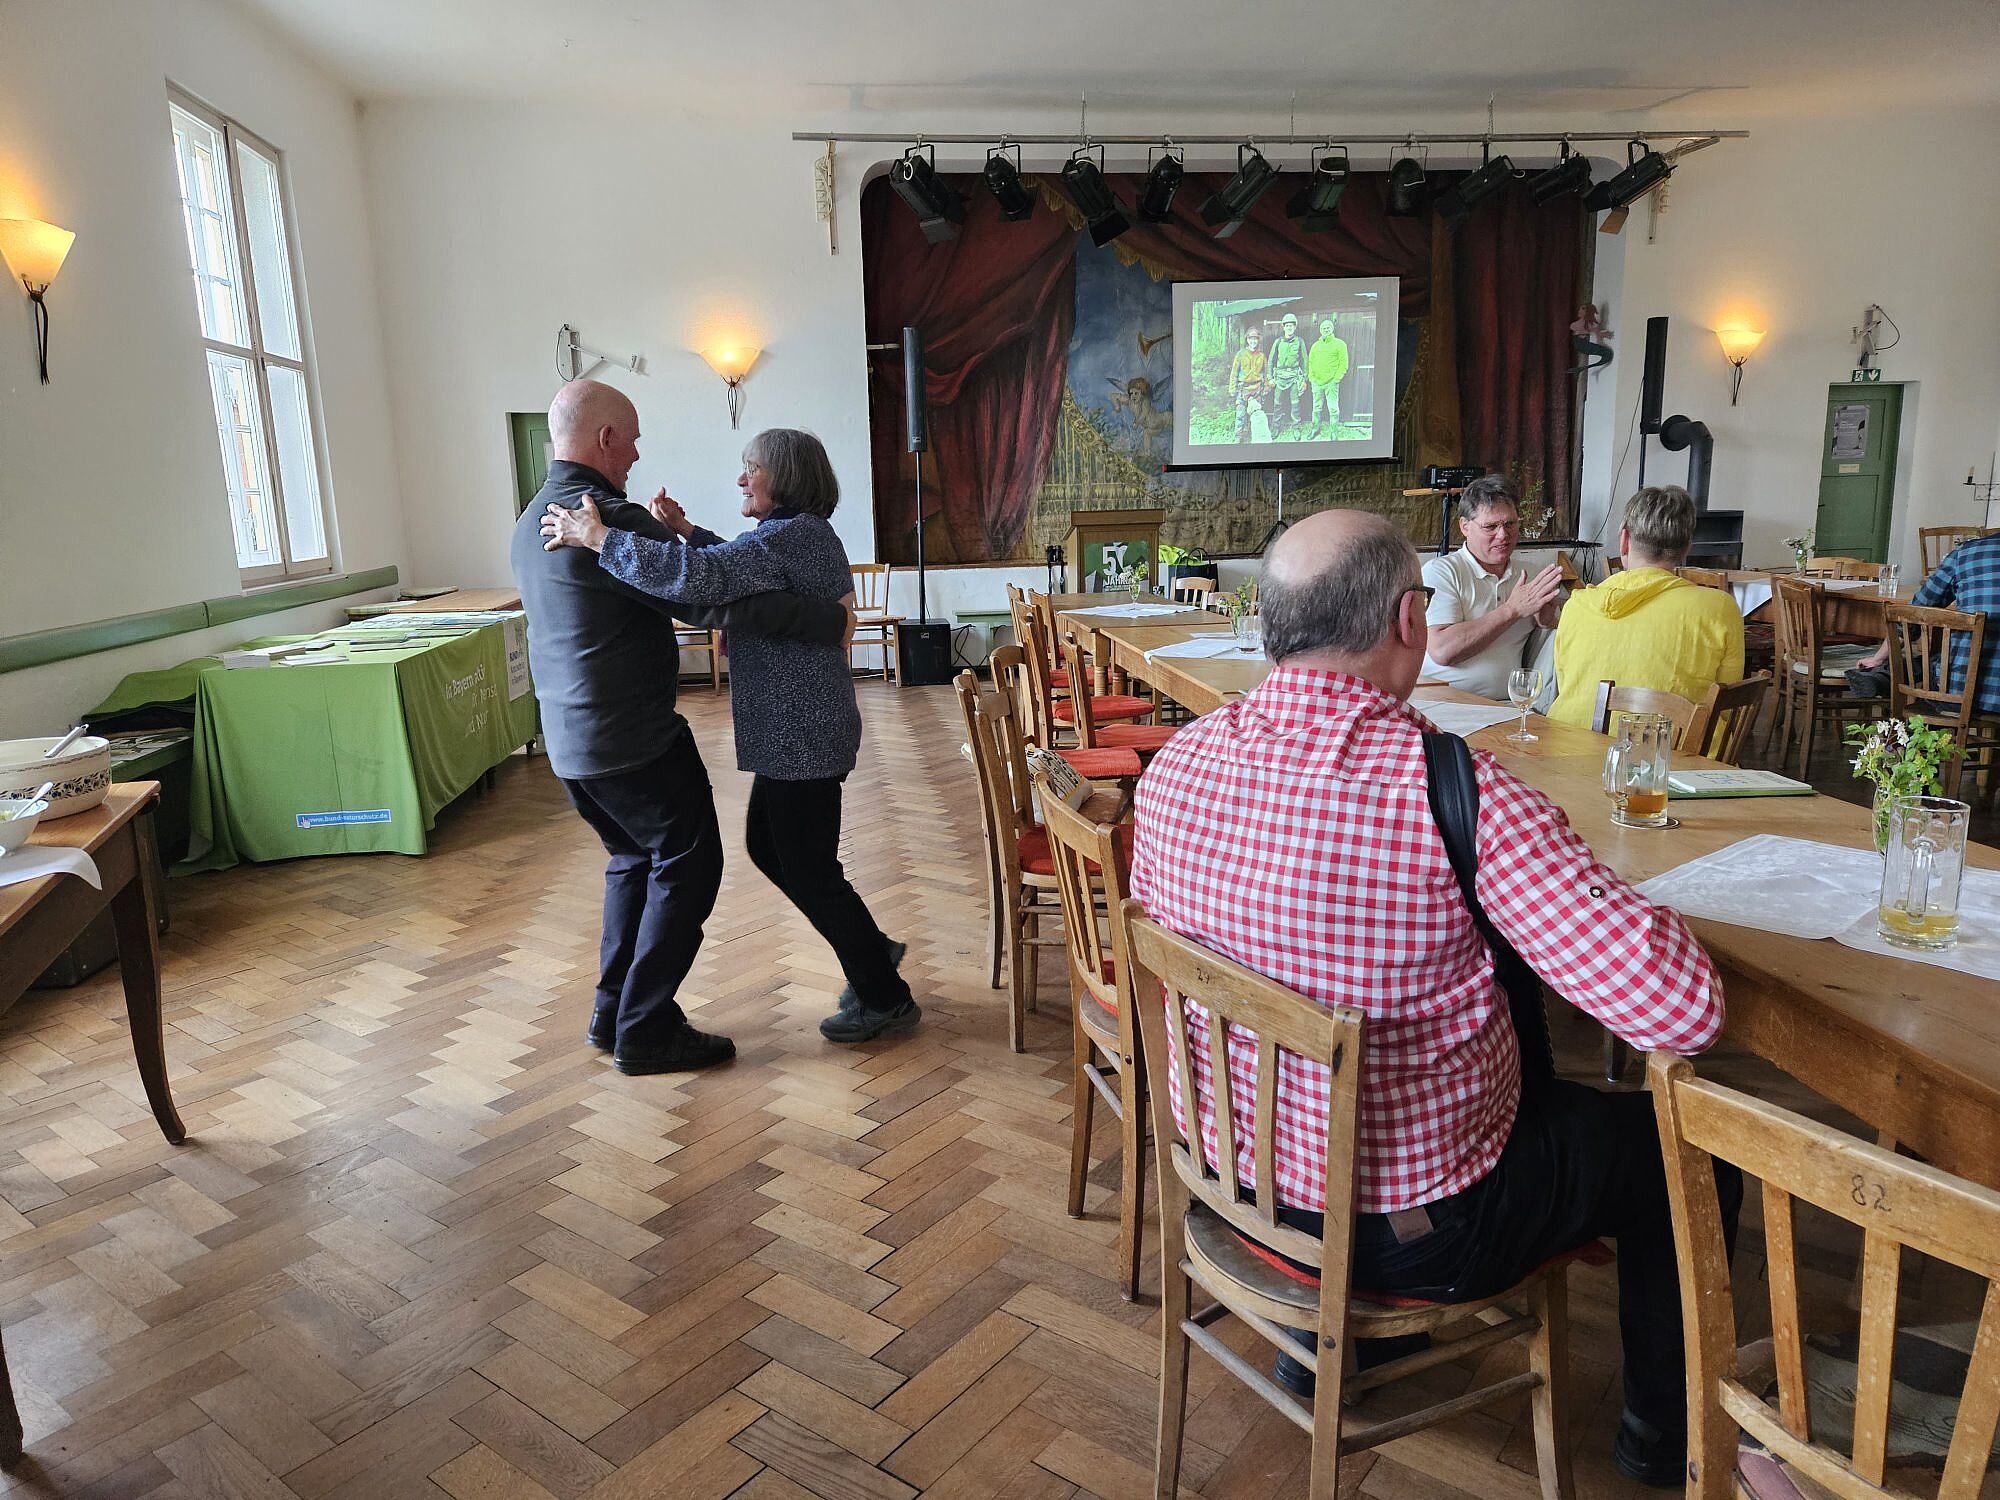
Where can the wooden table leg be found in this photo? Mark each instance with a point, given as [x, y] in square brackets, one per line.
[10, 1417]
[135, 915]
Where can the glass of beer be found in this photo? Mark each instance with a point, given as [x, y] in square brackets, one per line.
[1921, 870]
[1635, 770]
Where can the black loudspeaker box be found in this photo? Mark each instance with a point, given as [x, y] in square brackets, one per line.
[1656, 375]
[923, 652]
[913, 388]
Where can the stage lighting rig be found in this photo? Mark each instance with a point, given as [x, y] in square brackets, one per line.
[1163, 180]
[1101, 210]
[1317, 203]
[938, 208]
[1231, 203]
[1645, 169]
[1003, 178]
[1409, 192]
[1570, 174]
[1458, 201]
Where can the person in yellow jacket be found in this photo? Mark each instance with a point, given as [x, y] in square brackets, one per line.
[1326, 367]
[1647, 627]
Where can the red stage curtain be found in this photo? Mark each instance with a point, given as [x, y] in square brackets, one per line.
[995, 307]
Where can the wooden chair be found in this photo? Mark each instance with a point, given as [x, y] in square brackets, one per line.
[1198, 592]
[1092, 861]
[871, 613]
[1808, 689]
[1083, 712]
[1055, 715]
[1723, 720]
[1009, 665]
[1897, 1203]
[1021, 876]
[1929, 649]
[701, 638]
[1935, 543]
[1208, 1223]
[1840, 567]
[1707, 578]
[1613, 699]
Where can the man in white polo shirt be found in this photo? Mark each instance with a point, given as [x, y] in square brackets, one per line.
[1485, 610]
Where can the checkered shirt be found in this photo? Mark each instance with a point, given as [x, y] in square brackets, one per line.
[1969, 579]
[1290, 831]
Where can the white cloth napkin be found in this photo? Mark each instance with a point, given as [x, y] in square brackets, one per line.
[1462, 718]
[34, 861]
[1134, 611]
[1200, 647]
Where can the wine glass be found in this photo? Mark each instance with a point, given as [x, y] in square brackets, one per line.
[1524, 684]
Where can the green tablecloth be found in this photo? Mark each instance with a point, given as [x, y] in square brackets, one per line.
[353, 756]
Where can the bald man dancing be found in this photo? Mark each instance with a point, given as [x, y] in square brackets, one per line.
[604, 658]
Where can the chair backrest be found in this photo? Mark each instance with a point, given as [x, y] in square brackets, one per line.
[1895, 1202]
[1245, 1014]
[1090, 861]
[1614, 562]
[1613, 699]
[871, 587]
[1840, 567]
[1934, 543]
[1195, 591]
[1799, 635]
[1076, 656]
[1923, 644]
[1020, 611]
[1040, 696]
[1721, 724]
[1000, 753]
[1707, 578]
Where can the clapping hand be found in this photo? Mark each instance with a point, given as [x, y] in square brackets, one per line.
[1535, 595]
[581, 527]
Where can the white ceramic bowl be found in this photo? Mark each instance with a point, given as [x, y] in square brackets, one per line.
[82, 773]
[14, 831]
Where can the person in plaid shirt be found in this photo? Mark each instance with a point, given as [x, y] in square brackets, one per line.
[1967, 579]
[1291, 832]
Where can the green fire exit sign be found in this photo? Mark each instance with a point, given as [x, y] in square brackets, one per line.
[1871, 374]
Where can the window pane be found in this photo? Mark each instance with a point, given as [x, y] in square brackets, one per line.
[245, 469]
[298, 468]
[211, 235]
[271, 266]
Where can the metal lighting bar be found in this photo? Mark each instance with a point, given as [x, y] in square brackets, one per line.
[1693, 140]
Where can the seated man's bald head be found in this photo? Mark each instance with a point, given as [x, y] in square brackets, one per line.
[1333, 583]
[596, 424]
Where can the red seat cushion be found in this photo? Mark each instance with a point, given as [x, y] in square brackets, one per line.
[1105, 707]
[1059, 677]
[1038, 859]
[1591, 1253]
[1102, 763]
[1142, 739]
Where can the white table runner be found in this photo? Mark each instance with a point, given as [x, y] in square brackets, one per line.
[1462, 718]
[1137, 611]
[1201, 647]
[34, 861]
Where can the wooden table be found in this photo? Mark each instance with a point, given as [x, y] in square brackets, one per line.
[1845, 611]
[1911, 1049]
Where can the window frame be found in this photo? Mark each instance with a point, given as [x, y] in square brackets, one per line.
[256, 355]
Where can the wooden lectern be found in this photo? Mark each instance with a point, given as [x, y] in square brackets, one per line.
[1104, 543]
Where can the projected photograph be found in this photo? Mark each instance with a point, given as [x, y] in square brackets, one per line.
[1284, 370]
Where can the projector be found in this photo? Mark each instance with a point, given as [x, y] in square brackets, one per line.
[1451, 476]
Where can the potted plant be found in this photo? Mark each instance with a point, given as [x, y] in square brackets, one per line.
[1184, 562]
[1802, 549]
[1903, 759]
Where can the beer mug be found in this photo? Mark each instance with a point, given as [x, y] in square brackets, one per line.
[1921, 870]
[1635, 770]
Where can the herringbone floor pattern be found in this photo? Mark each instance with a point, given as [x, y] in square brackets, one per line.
[425, 1241]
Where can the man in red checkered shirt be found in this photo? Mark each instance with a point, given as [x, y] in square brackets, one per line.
[1292, 832]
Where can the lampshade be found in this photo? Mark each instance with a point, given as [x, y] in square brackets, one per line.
[1738, 344]
[33, 250]
[732, 363]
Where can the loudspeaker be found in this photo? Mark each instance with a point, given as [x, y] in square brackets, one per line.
[923, 652]
[1654, 388]
[914, 404]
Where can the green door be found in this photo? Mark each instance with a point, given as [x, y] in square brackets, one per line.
[529, 431]
[1857, 473]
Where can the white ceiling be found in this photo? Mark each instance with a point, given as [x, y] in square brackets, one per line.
[832, 60]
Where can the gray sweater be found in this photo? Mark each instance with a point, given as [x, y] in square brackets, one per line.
[793, 701]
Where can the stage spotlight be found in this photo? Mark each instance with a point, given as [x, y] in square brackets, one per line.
[1163, 179]
[1458, 201]
[1317, 202]
[1229, 204]
[938, 208]
[1004, 178]
[1408, 191]
[1570, 174]
[1644, 170]
[1093, 197]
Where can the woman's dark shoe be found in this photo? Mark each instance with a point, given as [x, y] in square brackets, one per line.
[603, 1030]
[1645, 1453]
[851, 1001]
[863, 1025]
[686, 1049]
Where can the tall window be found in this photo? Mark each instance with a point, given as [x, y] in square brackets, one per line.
[246, 286]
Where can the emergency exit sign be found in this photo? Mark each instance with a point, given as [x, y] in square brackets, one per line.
[1871, 375]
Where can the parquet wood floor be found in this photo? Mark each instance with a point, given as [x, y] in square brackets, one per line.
[424, 1241]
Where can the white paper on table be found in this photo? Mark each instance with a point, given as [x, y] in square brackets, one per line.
[34, 861]
[1463, 718]
[1200, 647]
[1133, 611]
[1752, 596]
[1846, 585]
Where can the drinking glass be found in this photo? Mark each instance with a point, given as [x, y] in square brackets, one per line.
[1249, 633]
[1921, 871]
[1635, 770]
[1885, 581]
[1524, 684]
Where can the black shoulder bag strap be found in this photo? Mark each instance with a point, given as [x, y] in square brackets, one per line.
[1454, 799]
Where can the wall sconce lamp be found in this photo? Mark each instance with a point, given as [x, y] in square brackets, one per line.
[732, 364]
[1738, 344]
[34, 251]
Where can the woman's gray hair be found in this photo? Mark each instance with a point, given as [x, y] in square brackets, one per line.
[1485, 492]
[796, 464]
[1660, 519]
[1346, 606]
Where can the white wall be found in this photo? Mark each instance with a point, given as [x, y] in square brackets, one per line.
[115, 463]
[1795, 231]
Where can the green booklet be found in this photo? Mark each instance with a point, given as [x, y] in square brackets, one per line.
[1734, 784]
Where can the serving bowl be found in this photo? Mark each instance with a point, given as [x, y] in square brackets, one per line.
[82, 773]
[14, 830]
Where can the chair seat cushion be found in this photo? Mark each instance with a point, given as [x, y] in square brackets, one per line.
[1038, 859]
[1141, 739]
[1103, 762]
[1059, 677]
[1106, 706]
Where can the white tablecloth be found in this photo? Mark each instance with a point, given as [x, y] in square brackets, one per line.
[1131, 611]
